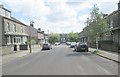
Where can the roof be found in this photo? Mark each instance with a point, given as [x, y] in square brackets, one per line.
[1, 6]
[40, 31]
[114, 12]
[117, 28]
[14, 20]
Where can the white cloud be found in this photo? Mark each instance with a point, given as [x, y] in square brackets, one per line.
[83, 18]
[29, 7]
[58, 15]
[93, 1]
[108, 7]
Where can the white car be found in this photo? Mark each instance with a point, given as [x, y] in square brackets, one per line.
[73, 44]
[57, 43]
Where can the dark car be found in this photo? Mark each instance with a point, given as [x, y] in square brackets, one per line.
[73, 44]
[81, 47]
[46, 46]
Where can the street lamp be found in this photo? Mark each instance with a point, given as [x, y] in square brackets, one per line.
[31, 25]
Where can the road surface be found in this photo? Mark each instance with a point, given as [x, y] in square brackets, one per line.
[61, 60]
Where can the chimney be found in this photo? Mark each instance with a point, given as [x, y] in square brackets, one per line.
[39, 29]
[42, 31]
[1, 6]
[31, 25]
[104, 15]
[119, 5]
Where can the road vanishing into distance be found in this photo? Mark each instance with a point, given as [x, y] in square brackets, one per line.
[61, 60]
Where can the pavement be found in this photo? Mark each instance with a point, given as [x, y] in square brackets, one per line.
[107, 54]
[15, 55]
[60, 60]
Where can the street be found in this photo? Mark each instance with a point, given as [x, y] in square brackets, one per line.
[61, 60]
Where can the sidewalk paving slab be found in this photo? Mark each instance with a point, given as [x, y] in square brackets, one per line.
[9, 57]
[107, 54]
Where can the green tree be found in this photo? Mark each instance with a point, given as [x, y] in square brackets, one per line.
[73, 37]
[54, 37]
[96, 23]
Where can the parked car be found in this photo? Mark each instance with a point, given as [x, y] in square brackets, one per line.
[73, 44]
[46, 46]
[57, 43]
[68, 43]
[81, 47]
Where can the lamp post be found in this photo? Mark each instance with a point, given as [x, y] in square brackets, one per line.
[31, 25]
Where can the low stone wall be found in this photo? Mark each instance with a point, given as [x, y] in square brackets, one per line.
[10, 49]
[35, 46]
[7, 50]
[108, 47]
[0, 51]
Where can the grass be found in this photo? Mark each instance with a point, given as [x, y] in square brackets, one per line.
[97, 52]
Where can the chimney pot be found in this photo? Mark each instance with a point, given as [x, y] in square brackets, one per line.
[1, 6]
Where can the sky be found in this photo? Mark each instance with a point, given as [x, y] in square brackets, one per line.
[61, 16]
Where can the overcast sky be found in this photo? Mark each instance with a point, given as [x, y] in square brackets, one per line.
[62, 16]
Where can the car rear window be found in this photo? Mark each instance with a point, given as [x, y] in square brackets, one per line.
[45, 44]
[83, 46]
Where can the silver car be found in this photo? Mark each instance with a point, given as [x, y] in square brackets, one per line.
[46, 46]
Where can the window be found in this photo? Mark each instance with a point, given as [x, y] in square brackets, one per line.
[14, 40]
[111, 23]
[8, 39]
[22, 29]
[14, 27]
[7, 14]
[2, 12]
[8, 27]
[17, 39]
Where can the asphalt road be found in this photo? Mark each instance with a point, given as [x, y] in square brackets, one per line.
[61, 60]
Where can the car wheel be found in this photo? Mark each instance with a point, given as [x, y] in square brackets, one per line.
[76, 50]
[87, 50]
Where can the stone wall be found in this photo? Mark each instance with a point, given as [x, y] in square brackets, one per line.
[0, 31]
[0, 50]
[7, 50]
[107, 47]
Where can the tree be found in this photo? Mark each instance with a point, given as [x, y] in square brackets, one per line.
[95, 24]
[54, 37]
[73, 37]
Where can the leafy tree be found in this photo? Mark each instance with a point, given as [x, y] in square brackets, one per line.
[96, 23]
[54, 37]
[33, 42]
[73, 37]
